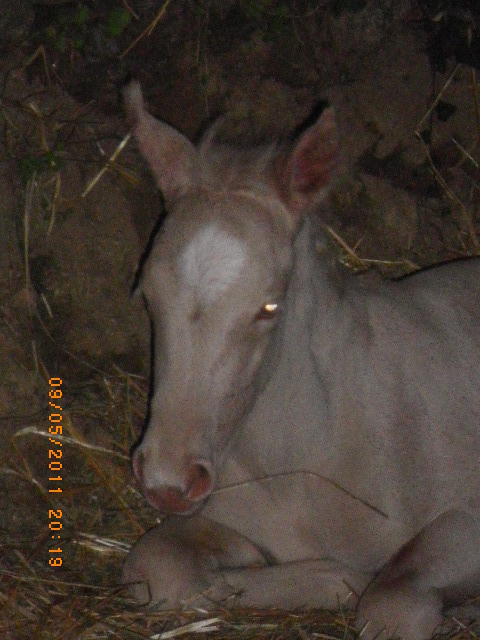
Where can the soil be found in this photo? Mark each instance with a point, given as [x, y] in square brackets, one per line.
[407, 195]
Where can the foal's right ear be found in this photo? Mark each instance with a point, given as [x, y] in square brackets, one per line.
[171, 156]
[306, 170]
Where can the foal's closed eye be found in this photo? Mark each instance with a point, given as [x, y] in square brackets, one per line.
[269, 311]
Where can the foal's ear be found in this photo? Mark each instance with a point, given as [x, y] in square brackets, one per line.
[171, 156]
[306, 170]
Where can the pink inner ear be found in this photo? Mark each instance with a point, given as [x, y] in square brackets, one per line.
[316, 156]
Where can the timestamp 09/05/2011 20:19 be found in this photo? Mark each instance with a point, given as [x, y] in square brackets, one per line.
[55, 467]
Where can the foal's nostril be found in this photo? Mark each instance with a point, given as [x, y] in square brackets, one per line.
[171, 492]
[199, 482]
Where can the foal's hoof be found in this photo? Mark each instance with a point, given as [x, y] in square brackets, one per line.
[159, 571]
[401, 612]
[162, 570]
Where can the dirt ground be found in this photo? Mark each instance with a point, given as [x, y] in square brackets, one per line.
[407, 196]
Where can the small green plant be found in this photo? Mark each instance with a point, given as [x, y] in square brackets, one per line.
[32, 164]
[117, 20]
[70, 25]
[68, 29]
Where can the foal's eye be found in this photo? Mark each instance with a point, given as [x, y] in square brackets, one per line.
[268, 311]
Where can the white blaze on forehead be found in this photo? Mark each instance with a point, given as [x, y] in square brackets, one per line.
[211, 262]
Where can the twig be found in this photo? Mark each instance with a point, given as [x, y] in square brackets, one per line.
[300, 472]
[475, 101]
[33, 430]
[148, 31]
[202, 626]
[107, 165]
[26, 228]
[437, 100]
[346, 247]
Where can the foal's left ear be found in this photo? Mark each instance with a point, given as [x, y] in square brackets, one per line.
[306, 171]
[171, 156]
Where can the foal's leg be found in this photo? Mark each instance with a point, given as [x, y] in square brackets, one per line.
[195, 561]
[406, 597]
[318, 583]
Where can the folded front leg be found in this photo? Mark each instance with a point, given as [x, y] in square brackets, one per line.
[195, 561]
[308, 583]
